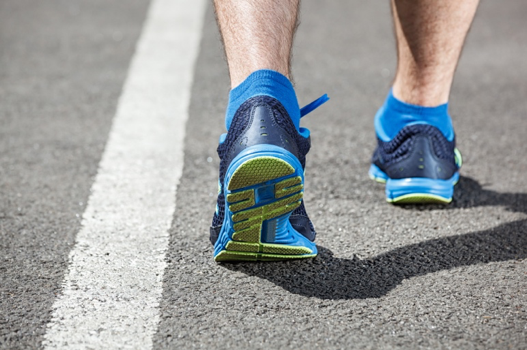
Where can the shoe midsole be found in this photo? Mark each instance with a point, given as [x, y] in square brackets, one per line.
[415, 185]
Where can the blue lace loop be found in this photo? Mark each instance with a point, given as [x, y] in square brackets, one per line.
[314, 105]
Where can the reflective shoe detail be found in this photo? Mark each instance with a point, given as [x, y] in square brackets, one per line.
[418, 166]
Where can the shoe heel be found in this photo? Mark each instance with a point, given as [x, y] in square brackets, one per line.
[261, 194]
[420, 190]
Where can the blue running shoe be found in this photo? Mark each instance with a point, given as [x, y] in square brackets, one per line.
[419, 165]
[260, 213]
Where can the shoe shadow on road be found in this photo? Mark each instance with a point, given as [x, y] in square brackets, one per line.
[330, 277]
[469, 193]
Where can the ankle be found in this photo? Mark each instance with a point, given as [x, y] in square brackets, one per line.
[396, 114]
[268, 83]
[421, 92]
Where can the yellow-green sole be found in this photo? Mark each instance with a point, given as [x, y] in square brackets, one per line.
[228, 256]
[278, 180]
[378, 179]
[419, 198]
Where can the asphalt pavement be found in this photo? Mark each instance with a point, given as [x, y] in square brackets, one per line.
[411, 277]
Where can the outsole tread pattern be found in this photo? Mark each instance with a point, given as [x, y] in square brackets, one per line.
[261, 189]
[258, 170]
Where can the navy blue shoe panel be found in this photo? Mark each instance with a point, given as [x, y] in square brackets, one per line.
[261, 120]
[418, 150]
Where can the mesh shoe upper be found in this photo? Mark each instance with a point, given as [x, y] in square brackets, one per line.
[280, 131]
[418, 150]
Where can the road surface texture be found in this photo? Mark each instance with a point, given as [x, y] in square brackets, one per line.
[410, 277]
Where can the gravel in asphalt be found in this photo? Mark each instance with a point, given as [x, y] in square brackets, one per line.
[387, 276]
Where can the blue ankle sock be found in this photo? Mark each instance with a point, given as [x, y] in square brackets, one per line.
[396, 114]
[264, 82]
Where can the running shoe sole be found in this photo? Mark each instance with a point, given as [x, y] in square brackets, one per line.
[264, 185]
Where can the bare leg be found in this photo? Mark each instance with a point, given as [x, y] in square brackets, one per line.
[257, 34]
[430, 35]
[263, 137]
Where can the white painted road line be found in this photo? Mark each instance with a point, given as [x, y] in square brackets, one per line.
[113, 286]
